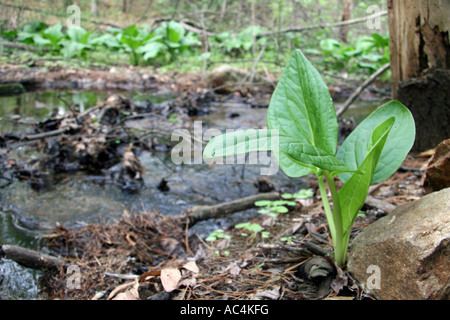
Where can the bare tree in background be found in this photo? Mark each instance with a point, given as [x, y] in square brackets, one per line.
[346, 15]
[94, 8]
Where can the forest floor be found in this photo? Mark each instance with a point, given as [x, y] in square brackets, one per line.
[151, 256]
[167, 263]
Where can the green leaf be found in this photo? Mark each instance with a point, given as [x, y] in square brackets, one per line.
[263, 203]
[302, 110]
[39, 40]
[77, 34]
[304, 194]
[71, 48]
[239, 142]
[107, 40]
[307, 155]
[150, 50]
[353, 193]
[280, 209]
[54, 33]
[35, 26]
[399, 142]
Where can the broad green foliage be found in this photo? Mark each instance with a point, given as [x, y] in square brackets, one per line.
[170, 42]
[166, 42]
[302, 115]
[366, 52]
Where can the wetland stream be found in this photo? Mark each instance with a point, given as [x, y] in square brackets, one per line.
[75, 198]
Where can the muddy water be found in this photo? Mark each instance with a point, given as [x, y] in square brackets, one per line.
[78, 199]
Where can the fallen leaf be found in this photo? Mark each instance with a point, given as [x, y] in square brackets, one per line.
[273, 294]
[151, 273]
[233, 269]
[131, 292]
[170, 278]
[340, 281]
[188, 282]
[191, 266]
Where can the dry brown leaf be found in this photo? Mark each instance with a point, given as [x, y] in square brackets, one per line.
[191, 266]
[233, 269]
[170, 278]
[273, 294]
[131, 292]
[188, 282]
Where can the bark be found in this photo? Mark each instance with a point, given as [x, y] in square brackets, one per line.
[420, 64]
[209, 212]
[346, 15]
[30, 258]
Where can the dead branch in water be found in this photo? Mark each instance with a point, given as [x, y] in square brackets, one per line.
[30, 258]
[209, 212]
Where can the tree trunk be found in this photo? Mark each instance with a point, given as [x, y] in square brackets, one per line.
[346, 15]
[420, 64]
[94, 8]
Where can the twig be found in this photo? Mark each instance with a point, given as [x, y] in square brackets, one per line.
[380, 204]
[361, 88]
[57, 14]
[122, 276]
[30, 258]
[326, 25]
[22, 46]
[208, 212]
[47, 134]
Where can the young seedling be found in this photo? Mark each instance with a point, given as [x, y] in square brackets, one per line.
[302, 119]
[274, 208]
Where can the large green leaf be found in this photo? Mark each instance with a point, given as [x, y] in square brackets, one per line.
[150, 50]
[302, 110]
[54, 34]
[310, 156]
[399, 142]
[240, 142]
[353, 193]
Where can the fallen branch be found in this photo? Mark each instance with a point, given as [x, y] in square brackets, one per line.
[326, 25]
[21, 46]
[47, 134]
[209, 212]
[380, 204]
[361, 88]
[30, 258]
[56, 14]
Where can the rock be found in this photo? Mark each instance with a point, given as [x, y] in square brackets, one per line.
[405, 255]
[437, 175]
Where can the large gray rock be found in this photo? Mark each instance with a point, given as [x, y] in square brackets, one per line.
[406, 255]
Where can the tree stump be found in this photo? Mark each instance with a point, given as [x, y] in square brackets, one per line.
[420, 64]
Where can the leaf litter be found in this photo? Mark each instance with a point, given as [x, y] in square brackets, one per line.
[150, 256]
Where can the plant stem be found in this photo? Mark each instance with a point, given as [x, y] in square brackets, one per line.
[326, 206]
[340, 248]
